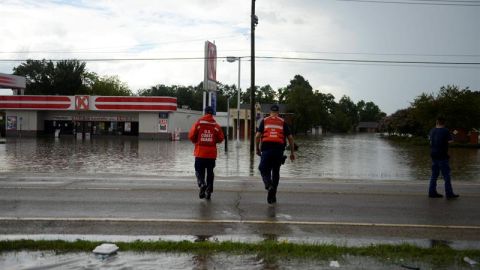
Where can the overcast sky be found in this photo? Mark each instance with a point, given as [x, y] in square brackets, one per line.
[93, 29]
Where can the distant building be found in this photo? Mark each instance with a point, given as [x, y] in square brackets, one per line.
[369, 127]
[317, 130]
[262, 110]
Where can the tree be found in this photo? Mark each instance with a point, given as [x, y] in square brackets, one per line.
[157, 90]
[39, 76]
[458, 106]
[263, 95]
[298, 96]
[266, 95]
[323, 109]
[401, 122]
[369, 112]
[187, 96]
[66, 77]
[109, 86]
[346, 115]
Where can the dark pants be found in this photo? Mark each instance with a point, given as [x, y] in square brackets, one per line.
[440, 165]
[270, 162]
[203, 165]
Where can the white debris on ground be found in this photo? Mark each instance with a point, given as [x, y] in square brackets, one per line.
[470, 261]
[334, 264]
[106, 249]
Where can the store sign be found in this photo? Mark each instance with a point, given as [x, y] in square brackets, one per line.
[101, 118]
[163, 125]
[11, 123]
[62, 118]
[210, 67]
[81, 103]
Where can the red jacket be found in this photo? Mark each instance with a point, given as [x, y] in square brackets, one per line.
[273, 130]
[205, 134]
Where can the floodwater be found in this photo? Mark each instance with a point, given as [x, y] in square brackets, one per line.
[147, 260]
[360, 156]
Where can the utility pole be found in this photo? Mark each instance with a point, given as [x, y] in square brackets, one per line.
[254, 22]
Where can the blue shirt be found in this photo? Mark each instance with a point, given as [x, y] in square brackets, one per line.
[439, 138]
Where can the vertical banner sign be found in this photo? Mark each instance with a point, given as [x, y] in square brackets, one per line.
[213, 100]
[210, 76]
[11, 123]
[163, 125]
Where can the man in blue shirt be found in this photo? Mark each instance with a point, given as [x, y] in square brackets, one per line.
[440, 137]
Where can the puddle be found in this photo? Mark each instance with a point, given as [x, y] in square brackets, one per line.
[338, 241]
[39, 260]
[149, 260]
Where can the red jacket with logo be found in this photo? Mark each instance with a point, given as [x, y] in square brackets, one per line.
[273, 130]
[205, 134]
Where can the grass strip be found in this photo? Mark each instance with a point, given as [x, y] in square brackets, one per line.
[440, 255]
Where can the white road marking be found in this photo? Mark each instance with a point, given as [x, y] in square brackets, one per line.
[234, 221]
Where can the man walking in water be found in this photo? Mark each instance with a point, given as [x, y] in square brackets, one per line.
[205, 134]
[439, 139]
[272, 134]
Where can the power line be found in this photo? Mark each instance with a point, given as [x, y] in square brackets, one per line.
[372, 61]
[422, 2]
[304, 59]
[379, 54]
[241, 50]
[375, 64]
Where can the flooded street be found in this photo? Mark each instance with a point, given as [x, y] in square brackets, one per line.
[307, 211]
[147, 260]
[363, 156]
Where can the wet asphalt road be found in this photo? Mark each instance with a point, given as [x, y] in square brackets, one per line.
[337, 210]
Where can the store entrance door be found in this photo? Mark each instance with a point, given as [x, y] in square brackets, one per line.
[83, 129]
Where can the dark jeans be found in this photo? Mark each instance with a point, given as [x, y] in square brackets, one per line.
[270, 162]
[203, 165]
[440, 165]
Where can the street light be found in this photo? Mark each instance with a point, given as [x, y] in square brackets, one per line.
[232, 59]
[254, 22]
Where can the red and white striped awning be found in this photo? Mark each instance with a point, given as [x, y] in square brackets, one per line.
[12, 81]
[92, 103]
[135, 103]
[36, 103]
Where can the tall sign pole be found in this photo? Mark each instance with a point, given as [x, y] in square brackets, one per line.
[210, 75]
[254, 22]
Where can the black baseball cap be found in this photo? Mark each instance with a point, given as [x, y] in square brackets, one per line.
[208, 110]
[274, 108]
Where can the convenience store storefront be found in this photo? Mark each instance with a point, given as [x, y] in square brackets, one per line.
[107, 123]
[89, 116]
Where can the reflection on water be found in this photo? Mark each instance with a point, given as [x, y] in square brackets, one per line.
[148, 260]
[363, 156]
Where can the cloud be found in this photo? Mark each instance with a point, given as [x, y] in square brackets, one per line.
[91, 29]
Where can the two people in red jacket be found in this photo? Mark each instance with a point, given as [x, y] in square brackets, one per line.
[205, 134]
[271, 138]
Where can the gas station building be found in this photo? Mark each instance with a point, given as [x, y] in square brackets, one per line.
[89, 116]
